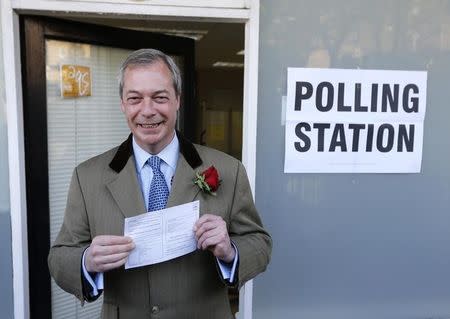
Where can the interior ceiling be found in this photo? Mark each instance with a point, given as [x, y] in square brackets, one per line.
[221, 42]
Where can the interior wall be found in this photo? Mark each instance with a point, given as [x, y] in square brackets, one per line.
[220, 98]
[372, 246]
[6, 291]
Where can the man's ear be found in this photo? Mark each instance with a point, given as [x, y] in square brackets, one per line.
[122, 105]
[178, 103]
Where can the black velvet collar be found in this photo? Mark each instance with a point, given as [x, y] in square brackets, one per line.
[125, 150]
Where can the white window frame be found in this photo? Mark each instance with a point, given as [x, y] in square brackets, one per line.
[241, 11]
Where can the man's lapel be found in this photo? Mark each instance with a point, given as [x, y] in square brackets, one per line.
[124, 187]
[183, 188]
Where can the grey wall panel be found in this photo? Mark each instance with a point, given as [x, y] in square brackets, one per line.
[6, 291]
[355, 245]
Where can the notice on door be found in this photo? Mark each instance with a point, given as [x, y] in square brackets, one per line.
[354, 121]
[75, 81]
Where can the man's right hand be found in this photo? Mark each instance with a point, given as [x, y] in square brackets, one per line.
[107, 252]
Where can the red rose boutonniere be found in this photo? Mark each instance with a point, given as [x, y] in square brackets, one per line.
[208, 180]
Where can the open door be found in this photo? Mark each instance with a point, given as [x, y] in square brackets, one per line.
[62, 130]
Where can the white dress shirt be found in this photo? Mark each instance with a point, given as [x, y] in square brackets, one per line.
[169, 156]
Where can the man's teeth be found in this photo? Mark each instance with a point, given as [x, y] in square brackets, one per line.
[149, 125]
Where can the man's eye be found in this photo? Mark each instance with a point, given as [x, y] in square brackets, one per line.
[161, 99]
[133, 99]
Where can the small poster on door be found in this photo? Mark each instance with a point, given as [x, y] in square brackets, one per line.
[75, 81]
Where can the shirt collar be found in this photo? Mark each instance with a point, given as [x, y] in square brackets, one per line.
[169, 154]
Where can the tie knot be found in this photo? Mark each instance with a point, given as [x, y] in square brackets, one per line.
[155, 163]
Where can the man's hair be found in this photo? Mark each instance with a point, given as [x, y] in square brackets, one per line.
[144, 57]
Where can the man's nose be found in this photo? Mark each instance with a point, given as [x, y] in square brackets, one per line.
[148, 106]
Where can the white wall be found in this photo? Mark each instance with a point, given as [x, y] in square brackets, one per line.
[6, 294]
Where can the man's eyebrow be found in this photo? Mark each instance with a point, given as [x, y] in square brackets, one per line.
[132, 91]
[154, 93]
[161, 91]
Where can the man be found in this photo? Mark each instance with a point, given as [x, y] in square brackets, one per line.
[156, 168]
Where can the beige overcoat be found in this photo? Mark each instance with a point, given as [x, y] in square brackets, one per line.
[104, 190]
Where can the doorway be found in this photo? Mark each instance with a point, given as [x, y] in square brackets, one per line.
[60, 132]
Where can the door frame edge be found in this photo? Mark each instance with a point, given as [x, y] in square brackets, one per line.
[16, 159]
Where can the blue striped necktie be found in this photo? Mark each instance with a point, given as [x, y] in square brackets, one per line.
[159, 192]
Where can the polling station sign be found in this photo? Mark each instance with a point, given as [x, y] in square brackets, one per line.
[354, 121]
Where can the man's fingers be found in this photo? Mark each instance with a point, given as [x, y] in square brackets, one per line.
[110, 259]
[107, 251]
[220, 246]
[113, 265]
[210, 242]
[98, 250]
[205, 227]
[208, 222]
[103, 258]
[108, 240]
[211, 233]
[206, 218]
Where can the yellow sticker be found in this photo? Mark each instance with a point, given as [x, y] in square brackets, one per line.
[75, 80]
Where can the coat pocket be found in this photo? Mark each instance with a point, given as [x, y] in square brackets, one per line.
[110, 311]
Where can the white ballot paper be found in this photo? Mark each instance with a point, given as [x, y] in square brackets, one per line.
[162, 235]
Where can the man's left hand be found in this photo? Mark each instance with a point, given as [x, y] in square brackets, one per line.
[212, 234]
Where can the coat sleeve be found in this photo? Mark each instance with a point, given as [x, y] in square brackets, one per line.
[64, 259]
[246, 231]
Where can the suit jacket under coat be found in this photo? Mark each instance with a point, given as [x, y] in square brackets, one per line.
[104, 190]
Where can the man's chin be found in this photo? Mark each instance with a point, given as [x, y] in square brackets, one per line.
[153, 143]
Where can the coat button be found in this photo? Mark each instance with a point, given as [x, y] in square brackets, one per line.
[155, 309]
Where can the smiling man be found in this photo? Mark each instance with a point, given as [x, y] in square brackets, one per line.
[150, 101]
[153, 169]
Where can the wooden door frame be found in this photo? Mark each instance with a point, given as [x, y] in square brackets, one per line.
[240, 11]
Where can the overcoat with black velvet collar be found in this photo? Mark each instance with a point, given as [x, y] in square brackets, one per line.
[105, 189]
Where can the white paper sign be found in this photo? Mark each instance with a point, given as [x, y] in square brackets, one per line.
[162, 235]
[361, 121]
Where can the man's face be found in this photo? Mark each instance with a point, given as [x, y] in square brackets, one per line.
[150, 105]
